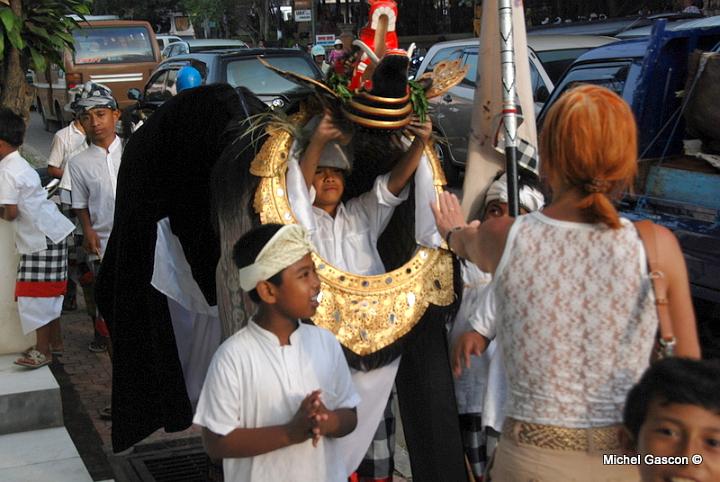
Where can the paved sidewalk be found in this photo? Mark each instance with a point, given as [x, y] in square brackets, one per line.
[85, 384]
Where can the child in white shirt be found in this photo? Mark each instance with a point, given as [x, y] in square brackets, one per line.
[278, 392]
[40, 232]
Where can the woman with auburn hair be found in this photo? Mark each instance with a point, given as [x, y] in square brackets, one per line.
[575, 307]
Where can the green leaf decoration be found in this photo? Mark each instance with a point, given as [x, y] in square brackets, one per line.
[419, 100]
[339, 83]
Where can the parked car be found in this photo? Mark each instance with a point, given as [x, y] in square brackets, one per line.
[675, 190]
[165, 40]
[192, 46]
[454, 109]
[237, 68]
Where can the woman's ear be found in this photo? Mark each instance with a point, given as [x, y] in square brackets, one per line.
[266, 291]
[628, 444]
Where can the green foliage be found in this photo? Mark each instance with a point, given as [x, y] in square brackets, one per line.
[339, 83]
[419, 100]
[43, 31]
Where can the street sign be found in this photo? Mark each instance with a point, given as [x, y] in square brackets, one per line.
[325, 39]
[303, 15]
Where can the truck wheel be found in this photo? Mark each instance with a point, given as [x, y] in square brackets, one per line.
[45, 122]
[452, 173]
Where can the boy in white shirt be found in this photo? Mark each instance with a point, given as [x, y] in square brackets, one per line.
[40, 232]
[66, 143]
[278, 392]
[93, 174]
[346, 234]
[480, 388]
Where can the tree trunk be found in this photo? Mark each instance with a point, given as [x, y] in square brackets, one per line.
[16, 93]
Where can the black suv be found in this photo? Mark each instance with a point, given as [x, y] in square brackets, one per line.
[238, 68]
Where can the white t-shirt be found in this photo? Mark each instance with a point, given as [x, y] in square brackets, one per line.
[66, 144]
[255, 382]
[94, 181]
[349, 240]
[38, 217]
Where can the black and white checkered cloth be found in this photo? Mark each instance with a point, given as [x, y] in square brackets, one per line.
[47, 265]
[379, 461]
[474, 443]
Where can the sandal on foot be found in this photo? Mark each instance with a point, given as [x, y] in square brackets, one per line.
[33, 359]
[57, 351]
[97, 346]
[105, 413]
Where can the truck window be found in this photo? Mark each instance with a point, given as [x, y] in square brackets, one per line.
[556, 62]
[112, 45]
[611, 76]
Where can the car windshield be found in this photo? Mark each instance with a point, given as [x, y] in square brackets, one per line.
[448, 53]
[112, 45]
[250, 73]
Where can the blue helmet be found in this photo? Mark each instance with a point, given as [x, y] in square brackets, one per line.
[187, 78]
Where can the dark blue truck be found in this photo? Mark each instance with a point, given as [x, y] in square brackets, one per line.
[672, 189]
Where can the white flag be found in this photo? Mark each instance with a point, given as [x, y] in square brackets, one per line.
[484, 160]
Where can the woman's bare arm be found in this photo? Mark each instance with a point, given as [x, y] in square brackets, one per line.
[483, 244]
[672, 263]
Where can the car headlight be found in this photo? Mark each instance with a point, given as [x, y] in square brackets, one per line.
[277, 103]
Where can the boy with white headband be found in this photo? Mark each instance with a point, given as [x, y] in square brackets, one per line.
[480, 388]
[278, 391]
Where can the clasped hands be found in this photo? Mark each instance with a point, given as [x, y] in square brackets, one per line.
[312, 420]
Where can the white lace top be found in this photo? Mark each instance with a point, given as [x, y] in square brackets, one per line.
[576, 320]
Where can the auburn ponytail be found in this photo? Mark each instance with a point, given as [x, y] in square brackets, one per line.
[600, 209]
[589, 140]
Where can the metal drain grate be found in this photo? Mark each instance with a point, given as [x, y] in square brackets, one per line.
[188, 463]
[172, 466]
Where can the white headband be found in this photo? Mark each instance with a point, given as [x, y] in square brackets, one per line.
[286, 247]
[531, 199]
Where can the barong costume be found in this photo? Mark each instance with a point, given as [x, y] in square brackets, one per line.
[168, 169]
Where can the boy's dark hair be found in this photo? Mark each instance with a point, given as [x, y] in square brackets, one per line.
[673, 381]
[249, 246]
[12, 127]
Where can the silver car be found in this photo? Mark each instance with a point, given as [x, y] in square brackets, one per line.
[549, 56]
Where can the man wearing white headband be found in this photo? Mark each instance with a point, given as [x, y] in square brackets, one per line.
[480, 388]
[278, 383]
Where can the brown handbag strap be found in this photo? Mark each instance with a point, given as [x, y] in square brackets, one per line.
[646, 231]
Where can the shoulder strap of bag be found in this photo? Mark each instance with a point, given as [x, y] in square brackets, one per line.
[646, 231]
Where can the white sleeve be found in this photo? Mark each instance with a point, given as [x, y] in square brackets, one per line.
[426, 232]
[57, 152]
[484, 317]
[9, 193]
[299, 196]
[345, 394]
[80, 192]
[218, 408]
[377, 205]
